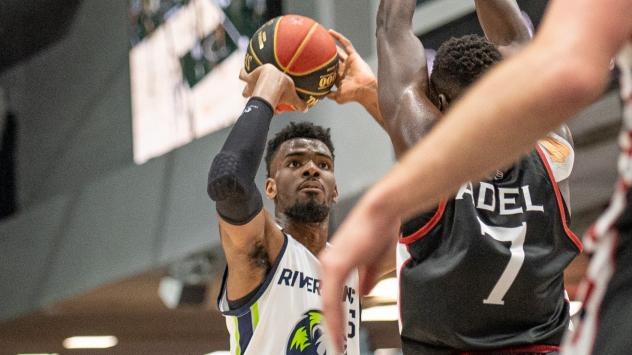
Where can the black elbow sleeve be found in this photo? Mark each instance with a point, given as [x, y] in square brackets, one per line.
[236, 197]
[231, 177]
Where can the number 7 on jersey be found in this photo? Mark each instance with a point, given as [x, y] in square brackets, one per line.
[516, 237]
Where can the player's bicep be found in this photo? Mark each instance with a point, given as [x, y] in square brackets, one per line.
[503, 24]
[401, 63]
[250, 249]
[400, 52]
[241, 239]
[410, 120]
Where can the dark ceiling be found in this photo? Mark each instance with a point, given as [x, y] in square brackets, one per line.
[28, 26]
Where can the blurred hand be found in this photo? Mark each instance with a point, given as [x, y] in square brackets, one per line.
[361, 242]
[269, 83]
[354, 74]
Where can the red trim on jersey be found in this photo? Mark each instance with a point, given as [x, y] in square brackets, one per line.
[620, 189]
[560, 203]
[590, 287]
[537, 348]
[589, 293]
[421, 232]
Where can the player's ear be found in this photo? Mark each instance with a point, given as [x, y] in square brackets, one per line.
[336, 193]
[271, 188]
[443, 102]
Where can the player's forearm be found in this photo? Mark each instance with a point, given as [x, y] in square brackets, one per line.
[402, 76]
[502, 22]
[477, 136]
[393, 15]
[369, 100]
[410, 121]
[231, 176]
[401, 57]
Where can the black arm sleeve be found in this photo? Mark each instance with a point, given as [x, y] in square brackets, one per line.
[231, 177]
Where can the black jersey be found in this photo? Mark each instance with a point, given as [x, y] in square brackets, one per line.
[486, 270]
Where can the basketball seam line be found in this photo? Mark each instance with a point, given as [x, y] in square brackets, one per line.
[301, 46]
[315, 69]
[310, 92]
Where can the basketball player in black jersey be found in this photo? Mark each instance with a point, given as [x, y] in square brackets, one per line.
[565, 69]
[484, 270]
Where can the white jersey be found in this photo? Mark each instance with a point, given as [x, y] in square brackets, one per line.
[605, 290]
[284, 316]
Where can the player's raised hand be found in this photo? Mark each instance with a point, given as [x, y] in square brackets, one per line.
[354, 74]
[360, 242]
[270, 84]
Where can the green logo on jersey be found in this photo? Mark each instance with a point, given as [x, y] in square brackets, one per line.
[305, 339]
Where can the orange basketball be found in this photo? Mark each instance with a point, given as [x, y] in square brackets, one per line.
[299, 47]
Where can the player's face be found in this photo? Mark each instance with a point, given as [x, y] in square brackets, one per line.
[302, 174]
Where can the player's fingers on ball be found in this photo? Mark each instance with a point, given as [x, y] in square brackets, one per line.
[300, 105]
[340, 72]
[243, 75]
[346, 43]
[336, 97]
[342, 55]
[247, 92]
[266, 70]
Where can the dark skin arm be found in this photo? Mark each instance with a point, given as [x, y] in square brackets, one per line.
[402, 67]
[503, 24]
[402, 76]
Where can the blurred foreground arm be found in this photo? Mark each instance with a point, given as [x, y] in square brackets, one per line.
[563, 70]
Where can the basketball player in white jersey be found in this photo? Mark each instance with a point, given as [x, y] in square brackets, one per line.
[271, 288]
[562, 71]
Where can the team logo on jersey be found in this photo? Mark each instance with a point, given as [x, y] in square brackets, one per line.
[307, 336]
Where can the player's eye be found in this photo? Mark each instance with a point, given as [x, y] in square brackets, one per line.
[324, 165]
[293, 164]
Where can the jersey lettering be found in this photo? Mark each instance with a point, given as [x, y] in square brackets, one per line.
[298, 279]
[510, 200]
[290, 277]
[348, 294]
